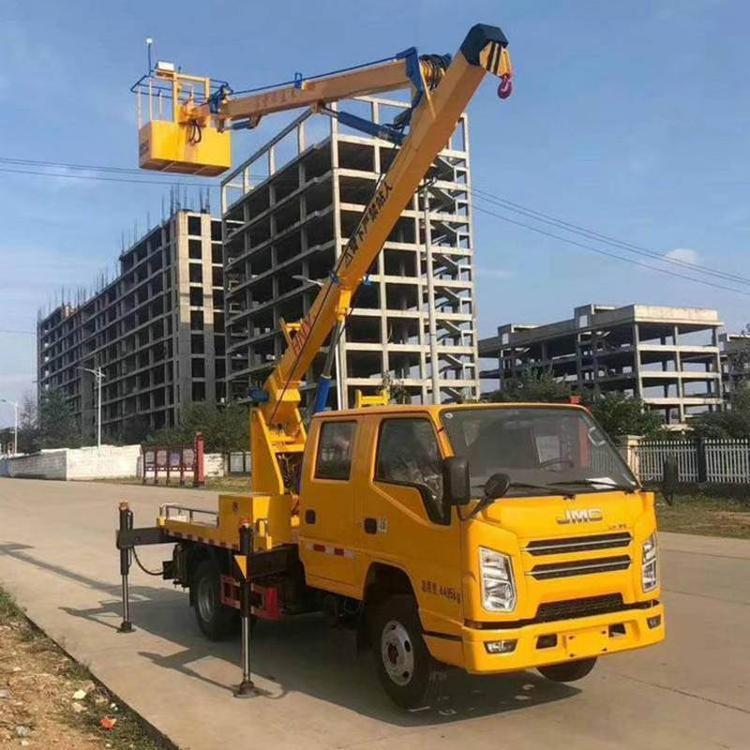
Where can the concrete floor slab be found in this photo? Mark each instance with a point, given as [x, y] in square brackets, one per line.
[57, 556]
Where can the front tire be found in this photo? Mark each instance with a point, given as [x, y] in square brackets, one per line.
[216, 620]
[568, 671]
[406, 670]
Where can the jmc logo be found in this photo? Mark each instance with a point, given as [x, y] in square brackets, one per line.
[586, 515]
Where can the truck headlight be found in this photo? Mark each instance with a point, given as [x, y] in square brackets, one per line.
[498, 586]
[649, 568]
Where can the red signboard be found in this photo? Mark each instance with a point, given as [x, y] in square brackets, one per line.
[174, 461]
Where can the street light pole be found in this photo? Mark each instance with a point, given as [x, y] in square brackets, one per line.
[14, 404]
[98, 373]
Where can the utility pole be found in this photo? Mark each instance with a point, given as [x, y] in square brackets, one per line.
[14, 404]
[98, 373]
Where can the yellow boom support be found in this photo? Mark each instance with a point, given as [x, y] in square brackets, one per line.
[277, 429]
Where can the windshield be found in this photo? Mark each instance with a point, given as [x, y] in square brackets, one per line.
[536, 446]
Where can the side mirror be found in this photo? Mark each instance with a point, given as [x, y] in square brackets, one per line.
[670, 479]
[456, 480]
[496, 486]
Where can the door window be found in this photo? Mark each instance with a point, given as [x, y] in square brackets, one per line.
[408, 454]
[334, 460]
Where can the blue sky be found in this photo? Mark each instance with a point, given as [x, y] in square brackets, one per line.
[628, 118]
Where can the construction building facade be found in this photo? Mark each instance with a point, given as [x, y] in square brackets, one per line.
[156, 331]
[288, 212]
[667, 356]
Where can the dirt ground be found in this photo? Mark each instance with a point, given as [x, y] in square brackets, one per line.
[49, 701]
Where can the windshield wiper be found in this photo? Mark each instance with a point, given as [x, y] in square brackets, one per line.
[553, 488]
[594, 482]
[486, 501]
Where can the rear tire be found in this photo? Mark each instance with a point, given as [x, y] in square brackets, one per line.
[568, 671]
[216, 620]
[406, 670]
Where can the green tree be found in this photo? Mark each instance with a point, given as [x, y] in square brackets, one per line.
[532, 386]
[57, 425]
[225, 428]
[28, 430]
[134, 430]
[622, 415]
[733, 422]
[28, 426]
[230, 428]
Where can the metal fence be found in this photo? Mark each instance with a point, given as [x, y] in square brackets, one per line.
[727, 460]
[715, 460]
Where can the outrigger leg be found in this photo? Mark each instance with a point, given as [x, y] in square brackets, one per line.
[126, 524]
[127, 539]
[246, 688]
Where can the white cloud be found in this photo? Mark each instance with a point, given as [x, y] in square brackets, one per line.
[684, 254]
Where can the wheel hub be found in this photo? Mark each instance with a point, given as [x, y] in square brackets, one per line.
[397, 653]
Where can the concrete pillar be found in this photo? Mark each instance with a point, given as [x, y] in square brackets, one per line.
[637, 361]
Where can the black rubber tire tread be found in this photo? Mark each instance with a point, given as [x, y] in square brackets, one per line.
[226, 620]
[568, 671]
[423, 685]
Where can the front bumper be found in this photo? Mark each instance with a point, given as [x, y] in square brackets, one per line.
[563, 640]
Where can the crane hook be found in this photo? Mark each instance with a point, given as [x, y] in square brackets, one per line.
[505, 89]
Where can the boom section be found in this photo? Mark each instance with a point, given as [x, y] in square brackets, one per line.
[402, 72]
[432, 123]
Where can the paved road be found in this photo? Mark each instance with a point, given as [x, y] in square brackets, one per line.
[57, 556]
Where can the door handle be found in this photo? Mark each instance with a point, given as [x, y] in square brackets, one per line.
[310, 516]
[371, 526]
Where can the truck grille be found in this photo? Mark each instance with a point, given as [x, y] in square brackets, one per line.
[578, 544]
[580, 567]
[592, 605]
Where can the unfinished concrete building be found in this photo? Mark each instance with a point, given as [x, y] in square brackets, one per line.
[288, 212]
[157, 332]
[667, 356]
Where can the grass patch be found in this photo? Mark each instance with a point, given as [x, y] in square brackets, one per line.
[8, 608]
[705, 515]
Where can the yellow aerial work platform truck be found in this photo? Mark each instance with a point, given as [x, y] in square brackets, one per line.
[488, 537]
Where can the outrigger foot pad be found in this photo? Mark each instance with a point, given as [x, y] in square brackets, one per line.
[246, 689]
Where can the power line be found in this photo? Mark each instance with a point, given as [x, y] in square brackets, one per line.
[97, 177]
[19, 166]
[70, 165]
[18, 332]
[590, 248]
[136, 172]
[612, 241]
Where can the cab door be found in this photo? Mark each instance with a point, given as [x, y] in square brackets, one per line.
[406, 519]
[327, 523]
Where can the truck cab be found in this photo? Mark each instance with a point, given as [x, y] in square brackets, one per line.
[493, 537]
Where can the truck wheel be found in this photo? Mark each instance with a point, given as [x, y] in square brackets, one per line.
[569, 671]
[405, 668]
[216, 620]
